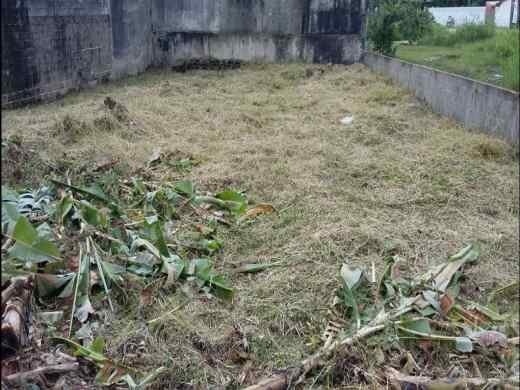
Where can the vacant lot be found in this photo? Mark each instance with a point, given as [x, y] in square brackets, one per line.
[397, 177]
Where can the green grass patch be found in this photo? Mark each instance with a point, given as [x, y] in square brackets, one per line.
[468, 33]
[471, 52]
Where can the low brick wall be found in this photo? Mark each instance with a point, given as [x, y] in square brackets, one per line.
[477, 105]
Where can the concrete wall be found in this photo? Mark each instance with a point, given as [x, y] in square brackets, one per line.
[131, 35]
[266, 30]
[52, 46]
[475, 104]
[175, 47]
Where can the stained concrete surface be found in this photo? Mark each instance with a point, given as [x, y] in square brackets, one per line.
[50, 47]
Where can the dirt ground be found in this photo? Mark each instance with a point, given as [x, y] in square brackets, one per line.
[398, 176]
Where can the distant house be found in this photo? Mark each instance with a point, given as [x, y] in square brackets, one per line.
[497, 11]
[502, 11]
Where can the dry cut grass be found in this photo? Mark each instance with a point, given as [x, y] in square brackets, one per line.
[398, 177]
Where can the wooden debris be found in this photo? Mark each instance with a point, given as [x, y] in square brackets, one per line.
[22, 377]
[16, 298]
[14, 288]
[297, 374]
[400, 381]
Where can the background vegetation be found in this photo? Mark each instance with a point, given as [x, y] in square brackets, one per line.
[398, 20]
[478, 51]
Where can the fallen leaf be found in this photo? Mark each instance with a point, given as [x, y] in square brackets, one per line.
[446, 303]
[411, 365]
[395, 271]
[258, 210]
[73, 263]
[479, 317]
[421, 326]
[50, 317]
[253, 268]
[484, 311]
[155, 156]
[145, 298]
[350, 276]
[84, 309]
[463, 344]
[443, 279]
[489, 338]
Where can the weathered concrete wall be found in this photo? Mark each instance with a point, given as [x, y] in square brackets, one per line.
[230, 16]
[334, 17]
[131, 36]
[335, 48]
[475, 104]
[265, 30]
[52, 46]
[49, 47]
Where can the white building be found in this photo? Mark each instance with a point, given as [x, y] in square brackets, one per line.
[503, 12]
[462, 15]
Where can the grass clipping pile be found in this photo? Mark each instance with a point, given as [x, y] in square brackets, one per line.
[71, 251]
[68, 245]
[75, 248]
[427, 309]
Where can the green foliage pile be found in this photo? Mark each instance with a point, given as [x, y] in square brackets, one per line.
[83, 245]
[113, 237]
[433, 299]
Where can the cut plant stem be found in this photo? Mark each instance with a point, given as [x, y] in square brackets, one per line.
[110, 238]
[429, 336]
[76, 279]
[101, 273]
[177, 308]
[281, 381]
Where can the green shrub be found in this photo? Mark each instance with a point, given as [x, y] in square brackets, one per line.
[507, 49]
[438, 36]
[510, 66]
[467, 33]
[414, 21]
[510, 69]
[507, 42]
[398, 19]
[472, 32]
[382, 29]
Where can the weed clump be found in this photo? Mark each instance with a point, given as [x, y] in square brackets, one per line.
[490, 149]
[386, 95]
[106, 123]
[21, 164]
[71, 129]
[118, 110]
